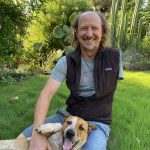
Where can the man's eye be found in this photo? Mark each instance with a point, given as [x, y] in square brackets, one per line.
[94, 29]
[69, 122]
[83, 29]
[81, 127]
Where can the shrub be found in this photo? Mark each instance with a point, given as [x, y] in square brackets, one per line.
[133, 60]
[145, 46]
[9, 76]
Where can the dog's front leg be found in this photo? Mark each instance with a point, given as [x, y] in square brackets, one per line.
[49, 129]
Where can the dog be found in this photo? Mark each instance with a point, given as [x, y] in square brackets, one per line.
[72, 135]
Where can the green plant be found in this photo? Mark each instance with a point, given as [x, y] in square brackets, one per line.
[123, 26]
[134, 21]
[10, 76]
[13, 23]
[114, 11]
[145, 46]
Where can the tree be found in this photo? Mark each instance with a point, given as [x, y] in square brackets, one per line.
[13, 22]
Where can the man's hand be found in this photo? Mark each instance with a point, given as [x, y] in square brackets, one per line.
[39, 142]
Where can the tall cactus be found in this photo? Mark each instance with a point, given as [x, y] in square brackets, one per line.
[123, 40]
[134, 21]
[138, 40]
[123, 26]
[114, 11]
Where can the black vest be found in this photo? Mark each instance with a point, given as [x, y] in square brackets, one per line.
[98, 107]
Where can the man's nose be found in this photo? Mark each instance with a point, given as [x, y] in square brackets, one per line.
[89, 32]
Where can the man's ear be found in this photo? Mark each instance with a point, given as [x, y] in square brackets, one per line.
[91, 127]
[76, 34]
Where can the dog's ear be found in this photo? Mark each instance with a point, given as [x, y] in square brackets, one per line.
[91, 127]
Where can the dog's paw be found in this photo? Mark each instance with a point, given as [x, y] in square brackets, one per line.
[49, 128]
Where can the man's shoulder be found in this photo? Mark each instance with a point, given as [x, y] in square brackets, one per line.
[112, 54]
[62, 59]
[112, 50]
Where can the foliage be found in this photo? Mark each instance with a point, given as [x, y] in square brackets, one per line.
[102, 5]
[31, 31]
[50, 30]
[9, 76]
[129, 32]
[136, 60]
[13, 23]
[145, 46]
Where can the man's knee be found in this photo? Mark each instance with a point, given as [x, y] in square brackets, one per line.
[98, 144]
[97, 140]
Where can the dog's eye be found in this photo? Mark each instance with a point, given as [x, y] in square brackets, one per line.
[81, 127]
[69, 122]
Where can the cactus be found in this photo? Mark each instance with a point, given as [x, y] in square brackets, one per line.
[59, 32]
[114, 11]
[138, 40]
[120, 39]
[123, 41]
[134, 21]
[123, 26]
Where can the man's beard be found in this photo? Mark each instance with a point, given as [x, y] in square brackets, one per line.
[88, 48]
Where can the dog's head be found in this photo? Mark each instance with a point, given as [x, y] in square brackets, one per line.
[75, 132]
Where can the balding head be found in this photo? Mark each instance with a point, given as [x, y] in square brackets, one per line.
[91, 15]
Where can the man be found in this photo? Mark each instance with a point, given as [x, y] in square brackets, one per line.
[91, 73]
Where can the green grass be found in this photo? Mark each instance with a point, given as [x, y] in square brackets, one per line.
[130, 129]
[17, 115]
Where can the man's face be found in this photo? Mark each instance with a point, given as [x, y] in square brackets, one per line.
[89, 32]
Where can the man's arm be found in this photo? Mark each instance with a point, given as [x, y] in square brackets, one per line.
[44, 100]
[41, 109]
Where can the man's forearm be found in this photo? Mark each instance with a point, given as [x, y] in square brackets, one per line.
[40, 113]
[43, 102]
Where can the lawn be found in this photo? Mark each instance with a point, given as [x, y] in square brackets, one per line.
[130, 129]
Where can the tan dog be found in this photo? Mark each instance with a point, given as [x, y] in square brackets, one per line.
[70, 136]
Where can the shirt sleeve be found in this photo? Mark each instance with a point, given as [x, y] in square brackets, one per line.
[60, 70]
[120, 71]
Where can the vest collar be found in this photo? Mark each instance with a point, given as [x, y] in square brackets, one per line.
[77, 53]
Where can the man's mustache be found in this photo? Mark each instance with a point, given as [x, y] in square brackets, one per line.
[86, 37]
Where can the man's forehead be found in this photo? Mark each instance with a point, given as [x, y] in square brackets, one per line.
[89, 15]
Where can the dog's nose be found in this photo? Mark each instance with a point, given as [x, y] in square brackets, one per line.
[70, 133]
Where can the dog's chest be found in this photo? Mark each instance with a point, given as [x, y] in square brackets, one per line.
[56, 141]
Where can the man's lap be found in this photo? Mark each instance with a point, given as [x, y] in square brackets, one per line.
[97, 139]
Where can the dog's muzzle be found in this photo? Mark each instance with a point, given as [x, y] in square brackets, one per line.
[69, 142]
[70, 134]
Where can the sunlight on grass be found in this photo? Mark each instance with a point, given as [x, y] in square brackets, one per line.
[141, 78]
